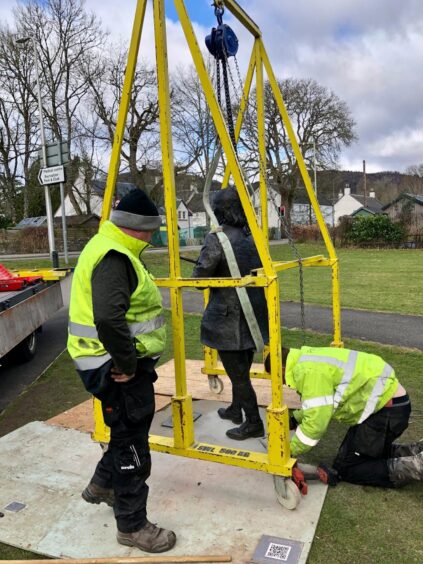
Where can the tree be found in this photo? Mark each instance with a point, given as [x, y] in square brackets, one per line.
[141, 140]
[317, 115]
[18, 131]
[193, 127]
[66, 36]
[413, 183]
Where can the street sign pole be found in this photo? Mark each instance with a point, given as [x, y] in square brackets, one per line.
[62, 205]
[49, 211]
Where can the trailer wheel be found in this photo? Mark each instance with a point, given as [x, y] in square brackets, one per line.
[26, 350]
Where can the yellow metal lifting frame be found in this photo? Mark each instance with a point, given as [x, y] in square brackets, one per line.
[277, 460]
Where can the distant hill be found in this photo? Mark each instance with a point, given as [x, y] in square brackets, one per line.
[387, 185]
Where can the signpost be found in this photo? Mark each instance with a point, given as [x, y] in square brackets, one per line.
[51, 175]
[54, 156]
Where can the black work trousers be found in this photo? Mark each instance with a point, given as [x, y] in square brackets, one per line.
[362, 456]
[237, 365]
[128, 409]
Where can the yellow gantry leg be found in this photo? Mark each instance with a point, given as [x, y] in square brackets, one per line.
[261, 134]
[309, 187]
[225, 139]
[183, 426]
[101, 431]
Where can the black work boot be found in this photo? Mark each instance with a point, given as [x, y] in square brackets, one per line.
[410, 449]
[150, 538]
[231, 413]
[405, 469]
[97, 494]
[246, 430]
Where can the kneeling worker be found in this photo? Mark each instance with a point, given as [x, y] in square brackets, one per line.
[361, 390]
[116, 334]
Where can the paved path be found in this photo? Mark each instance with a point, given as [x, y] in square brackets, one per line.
[385, 328]
[15, 378]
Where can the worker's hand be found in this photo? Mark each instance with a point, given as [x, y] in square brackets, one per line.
[119, 377]
[293, 423]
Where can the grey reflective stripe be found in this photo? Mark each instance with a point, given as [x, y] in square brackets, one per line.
[376, 393]
[91, 362]
[80, 330]
[317, 402]
[318, 358]
[304, 439]
[146, 326]
[349, 369]
[136, 328]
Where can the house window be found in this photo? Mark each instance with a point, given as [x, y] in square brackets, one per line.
[179, 214]
[183, 215]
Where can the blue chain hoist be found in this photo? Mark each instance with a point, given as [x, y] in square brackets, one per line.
[222, 44]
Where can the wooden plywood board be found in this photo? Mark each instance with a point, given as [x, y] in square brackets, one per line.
[198, 385]
[81, 418]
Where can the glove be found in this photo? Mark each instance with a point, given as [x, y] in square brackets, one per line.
[293, 423]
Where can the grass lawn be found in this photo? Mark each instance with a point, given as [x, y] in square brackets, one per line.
[362, 524]
[36, 263]
[381, 280]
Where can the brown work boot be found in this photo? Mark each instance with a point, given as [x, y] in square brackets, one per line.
[96, 494]
[150, 538]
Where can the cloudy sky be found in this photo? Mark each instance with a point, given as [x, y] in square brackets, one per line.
[370, 53]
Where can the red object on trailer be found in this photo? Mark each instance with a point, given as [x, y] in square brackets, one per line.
[9, 282]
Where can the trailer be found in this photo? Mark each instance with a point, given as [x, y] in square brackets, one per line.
[22, 314]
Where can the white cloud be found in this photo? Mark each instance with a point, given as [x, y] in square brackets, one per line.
[369, 53]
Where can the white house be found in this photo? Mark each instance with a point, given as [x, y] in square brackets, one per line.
[349, 204]
[96, 196]
[300, 212]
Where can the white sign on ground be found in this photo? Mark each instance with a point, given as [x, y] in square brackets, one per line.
[51, 175]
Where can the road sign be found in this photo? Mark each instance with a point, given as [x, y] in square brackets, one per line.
[51, 175]
[52, 150]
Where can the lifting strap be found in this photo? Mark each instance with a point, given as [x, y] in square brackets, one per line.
[242, 293]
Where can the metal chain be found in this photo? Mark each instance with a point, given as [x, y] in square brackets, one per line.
[229, 114]
[263, 170]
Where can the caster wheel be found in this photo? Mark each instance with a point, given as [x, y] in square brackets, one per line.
[215, 384]
[287, 493]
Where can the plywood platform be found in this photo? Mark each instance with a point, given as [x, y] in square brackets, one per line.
[81, 416]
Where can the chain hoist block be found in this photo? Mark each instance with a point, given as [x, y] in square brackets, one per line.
[222, 41]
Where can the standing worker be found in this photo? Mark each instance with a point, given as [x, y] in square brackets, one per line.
[224, 326]
[116, 335]
[361, 390]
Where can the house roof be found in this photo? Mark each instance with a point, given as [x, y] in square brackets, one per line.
[77, 220]
[371, 204]
[122, 188]
[361, 210]
[196, 203]
[31, 222]
[301, 197]
[417, 198]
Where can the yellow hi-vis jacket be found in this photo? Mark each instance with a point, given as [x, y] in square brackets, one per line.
[144, 316]
[346, 385]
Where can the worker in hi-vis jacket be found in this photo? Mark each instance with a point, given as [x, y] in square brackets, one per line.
[361, 390]
[116, 335]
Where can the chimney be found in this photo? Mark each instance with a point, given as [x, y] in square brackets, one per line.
[347, 189]
[372, 194]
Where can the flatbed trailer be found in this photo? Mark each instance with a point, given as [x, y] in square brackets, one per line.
[23, 312]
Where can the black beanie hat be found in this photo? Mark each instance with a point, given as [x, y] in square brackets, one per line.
[136, 211]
